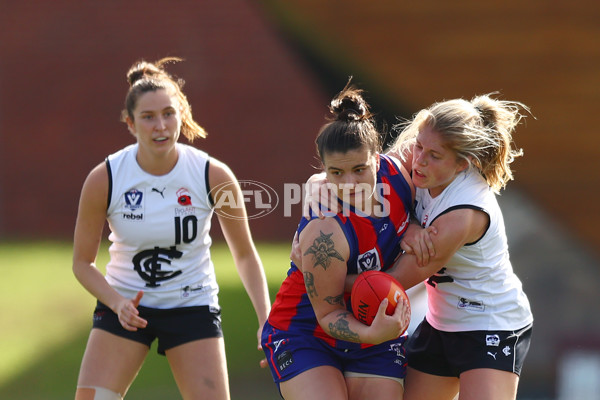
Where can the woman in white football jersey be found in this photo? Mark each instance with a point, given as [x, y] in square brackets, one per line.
[158, 196]
[477, 328]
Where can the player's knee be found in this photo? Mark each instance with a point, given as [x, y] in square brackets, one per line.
[96, 393]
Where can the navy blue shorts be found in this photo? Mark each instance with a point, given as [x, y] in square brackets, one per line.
[291, 353]
[452, 353]
[172, 327]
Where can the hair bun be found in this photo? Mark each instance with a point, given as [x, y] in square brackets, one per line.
[143, 69]
[140, 70]
[348, 109]
[349, 105]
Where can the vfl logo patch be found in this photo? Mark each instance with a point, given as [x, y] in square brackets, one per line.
[492, 340]
[368, 261]
[133, 199]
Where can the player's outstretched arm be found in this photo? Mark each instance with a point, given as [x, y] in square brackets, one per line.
[454, 229]
[234, 223]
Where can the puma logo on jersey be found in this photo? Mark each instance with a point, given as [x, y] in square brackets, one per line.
[161, 192]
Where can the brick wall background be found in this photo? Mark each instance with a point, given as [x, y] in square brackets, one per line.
[62, 87]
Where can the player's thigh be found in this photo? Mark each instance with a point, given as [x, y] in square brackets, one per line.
[421, 386]
[200, 369]
[110, 361]
[488, 384]
[319, 383]
[363, 388]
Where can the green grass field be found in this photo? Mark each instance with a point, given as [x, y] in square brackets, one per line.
[46, 317]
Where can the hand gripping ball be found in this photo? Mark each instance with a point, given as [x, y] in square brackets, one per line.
[368, 291]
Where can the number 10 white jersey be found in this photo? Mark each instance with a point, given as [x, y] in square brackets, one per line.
[160, 230]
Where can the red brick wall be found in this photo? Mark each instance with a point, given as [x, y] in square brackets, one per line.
[62, 67]
[62, 86]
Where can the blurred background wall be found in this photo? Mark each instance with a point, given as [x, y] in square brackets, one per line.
[259, 76]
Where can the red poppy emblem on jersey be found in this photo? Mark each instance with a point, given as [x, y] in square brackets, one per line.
[183, 197]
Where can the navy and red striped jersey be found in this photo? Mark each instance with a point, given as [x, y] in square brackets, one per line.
[374, 245]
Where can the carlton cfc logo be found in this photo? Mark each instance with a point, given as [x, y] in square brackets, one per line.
[183, 197]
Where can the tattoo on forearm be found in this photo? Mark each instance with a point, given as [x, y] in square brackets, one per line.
[340, 329]
[309, 282]
[339, 299]
[323, 249]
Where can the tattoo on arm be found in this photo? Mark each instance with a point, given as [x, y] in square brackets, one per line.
[339, 299]
[309, 282]
[340, 329]
[323, 250]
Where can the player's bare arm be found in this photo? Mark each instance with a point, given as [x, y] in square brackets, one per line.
[234, 223]
[339, 299]
[455, 229]
[309, 283]
[341, 328]
[325, 252]
[91, 217]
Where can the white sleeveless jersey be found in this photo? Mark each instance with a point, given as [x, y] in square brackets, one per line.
[160, 231]
[477, 289]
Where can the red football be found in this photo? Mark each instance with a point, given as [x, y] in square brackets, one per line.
[369, 289]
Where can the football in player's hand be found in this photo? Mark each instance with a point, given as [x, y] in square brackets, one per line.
[369, 289]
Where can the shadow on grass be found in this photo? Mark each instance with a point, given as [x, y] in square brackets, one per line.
[54, 376]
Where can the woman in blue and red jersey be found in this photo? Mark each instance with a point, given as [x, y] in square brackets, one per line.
[314, 346]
